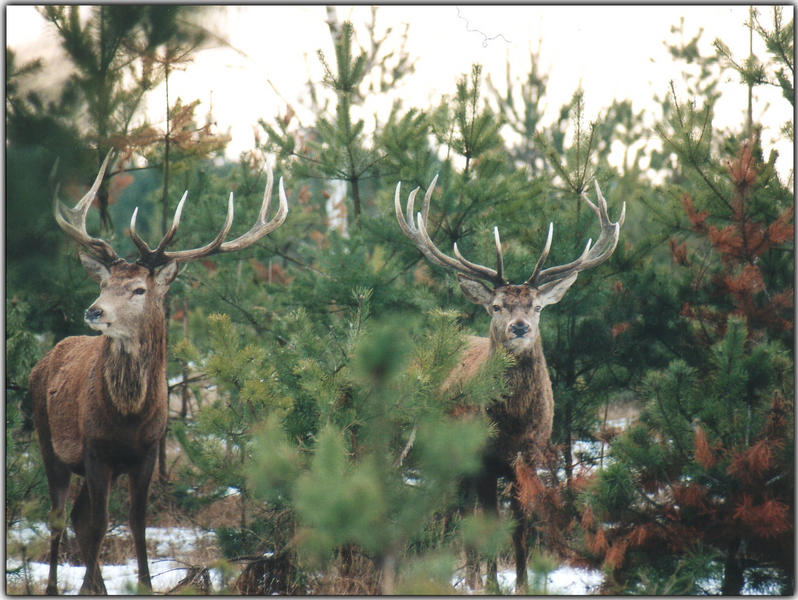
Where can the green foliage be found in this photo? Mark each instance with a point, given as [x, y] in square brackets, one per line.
[695, 432]
[706, 460]
[476, 131]
[22, 351]
[26, 490]
[427, 575]
[316, 358]
[780, 44]
[695, 573]
[385, 458]
[247, 391]
[486, 535]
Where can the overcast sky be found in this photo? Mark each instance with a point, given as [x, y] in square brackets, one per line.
[613, 52]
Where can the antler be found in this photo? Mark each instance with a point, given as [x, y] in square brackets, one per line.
[591, 256]
[423, 242]
[74, 224]
[73, 221]
[159, 256]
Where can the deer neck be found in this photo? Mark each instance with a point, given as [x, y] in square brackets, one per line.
[525, 360]
[132, 366]
[525, 415]
[528, 379]
[531, 366]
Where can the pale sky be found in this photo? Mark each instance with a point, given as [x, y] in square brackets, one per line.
[613, 52]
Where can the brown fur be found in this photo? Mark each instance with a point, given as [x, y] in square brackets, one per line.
[100, 408]
[523, 417]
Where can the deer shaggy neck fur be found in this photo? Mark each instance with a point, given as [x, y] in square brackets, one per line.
[524, 415]
[126, 361]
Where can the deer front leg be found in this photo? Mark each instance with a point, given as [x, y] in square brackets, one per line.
[519, 542]
[91, 522]
[58, 477]
[486, 492]
[81, 523]
[139, 479]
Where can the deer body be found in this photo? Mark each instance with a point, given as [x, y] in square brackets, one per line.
[523, 416]
[100, 420]
[100, 402]
[100, 409]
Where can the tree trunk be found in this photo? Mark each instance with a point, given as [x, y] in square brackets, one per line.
[388, 587]
[733, 579]
[356, 197]
[163, 476]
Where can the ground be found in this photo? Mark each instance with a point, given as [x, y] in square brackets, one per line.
[184, 554]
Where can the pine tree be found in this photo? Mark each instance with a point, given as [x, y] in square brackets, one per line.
[27, 486]
[349, 446]
[324, 345]
[697, 496]
[704, 482]
[59, 144]
[336, 147]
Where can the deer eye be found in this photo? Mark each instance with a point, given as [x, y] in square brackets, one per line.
[496, 308]
[139, 291]
[538, 308]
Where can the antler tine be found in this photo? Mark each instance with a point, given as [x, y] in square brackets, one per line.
[155, 258]
[543, 255]
[481, 271]
[167, 239]
[499, 257]
[432, 250]
[206, 250]
[408, 227]
[562, 271]
[593, 255]
[144, 249]
[73, 220]
[417, 232]
[261, 227]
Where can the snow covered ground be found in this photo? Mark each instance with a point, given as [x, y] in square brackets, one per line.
[119, 579]
[564, 581]
[168, 545]
[572, 581]
[165, 573]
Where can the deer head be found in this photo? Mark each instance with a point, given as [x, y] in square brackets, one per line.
[131, 292]
[514, 309]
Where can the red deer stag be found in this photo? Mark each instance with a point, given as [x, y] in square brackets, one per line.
[523, 418]
[100, 402]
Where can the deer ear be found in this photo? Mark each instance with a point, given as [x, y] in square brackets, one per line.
[166, 275]
[97, 270]
[552, 293]
[475, 291]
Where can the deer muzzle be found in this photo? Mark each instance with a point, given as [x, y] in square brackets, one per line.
[518, 336]
[93, 316]
[519, 328]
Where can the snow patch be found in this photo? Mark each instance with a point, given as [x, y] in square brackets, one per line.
[563, 581]
[165, 573]
[119, 579]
